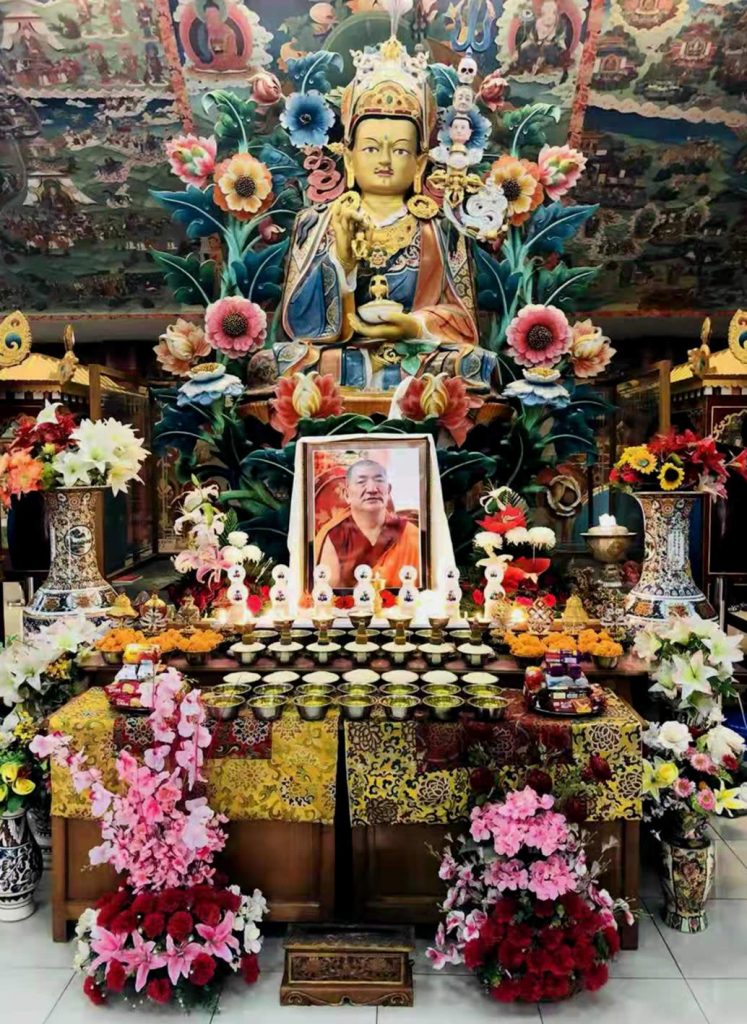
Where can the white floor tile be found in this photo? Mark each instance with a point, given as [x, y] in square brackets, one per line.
[260, 1003]
[730, 828]
[29, 943]
[739, 848]
[652, 959]
[721, 1000]
[731, 874]
[444, 999]
[272, 956]
[29, 994]
[628, 1001]
[718, 952]
[76, 1008]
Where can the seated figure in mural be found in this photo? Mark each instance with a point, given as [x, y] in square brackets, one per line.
[378, 275]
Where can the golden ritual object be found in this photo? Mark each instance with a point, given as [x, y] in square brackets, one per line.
[737, 335]
[121, 608]
[574, 613]
[15, 339]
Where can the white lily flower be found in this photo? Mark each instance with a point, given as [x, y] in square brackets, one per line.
[49, 412]
[724, 650]
[692, 677]
[647, 644]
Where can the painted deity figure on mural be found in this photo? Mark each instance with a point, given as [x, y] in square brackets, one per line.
[378, 276]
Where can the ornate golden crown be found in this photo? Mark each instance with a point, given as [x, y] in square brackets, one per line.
[389, 83]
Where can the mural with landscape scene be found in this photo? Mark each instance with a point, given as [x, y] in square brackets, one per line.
[650, 91]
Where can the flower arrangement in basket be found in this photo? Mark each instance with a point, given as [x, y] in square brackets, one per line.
[52, 451]
[689, 774]
[672, 462]
[523, 910]
[171, 932]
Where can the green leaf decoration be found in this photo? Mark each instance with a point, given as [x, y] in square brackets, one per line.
[461, 470]
[348, 423]
[527, 125]
[270, 532]
[562, 285]
[411, 365]
[281, 165]
[445, 81]
[194, 209]
[179, 427]
[259, 274]
[311, 70]
[235, 122]
[497, 283]
[551, 225]
[273, 467]
[405, 426]
[191, 279]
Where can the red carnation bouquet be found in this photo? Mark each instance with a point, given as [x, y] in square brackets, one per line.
[523, 910]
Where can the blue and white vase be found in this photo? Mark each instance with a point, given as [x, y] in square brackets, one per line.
[20, 867]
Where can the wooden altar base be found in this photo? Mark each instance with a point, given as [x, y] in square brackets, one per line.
[331, 966]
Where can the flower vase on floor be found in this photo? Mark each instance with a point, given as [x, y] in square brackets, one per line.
[666, 586]
[20, 867]
[688, 870]
[74, 583]
[40, 823]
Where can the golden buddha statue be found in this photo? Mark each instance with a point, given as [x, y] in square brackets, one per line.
[377, 275]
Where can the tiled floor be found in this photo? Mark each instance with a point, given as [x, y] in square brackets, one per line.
[670, 979]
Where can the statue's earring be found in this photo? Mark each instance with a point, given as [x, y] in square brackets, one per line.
[417, 184]
[349, 176]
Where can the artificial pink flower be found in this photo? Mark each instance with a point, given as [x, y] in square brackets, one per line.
[107, 946]
[303, 396]
[539, 336]
[235, 325]
[551, 878]
[443, 397]
[591, 351]
[179, 958]
[560, 168]
[683, 788]
[143, 960]
[507, 874]
[180, 346]
[220, 940]
[702, 763]
[706, 799]
[211, 564]
[192, 158]
[266, 88]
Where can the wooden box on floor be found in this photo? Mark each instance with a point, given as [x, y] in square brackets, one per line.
[292, 863]
[346, 964]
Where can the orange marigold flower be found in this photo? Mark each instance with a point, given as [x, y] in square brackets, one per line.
[243, 186]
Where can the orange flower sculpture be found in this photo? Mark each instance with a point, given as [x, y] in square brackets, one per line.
[446, 398]
[303, 396]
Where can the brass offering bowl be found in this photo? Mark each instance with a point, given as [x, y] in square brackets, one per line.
[315, 690]
[355, 707]
[223, 706]
[273, 690]
[112, 657]
[482, 690]
[235, 689]
[489, 709]
[399, 708]
[357, 690]
[399, 689]
[313, 707]
[267, 708]
[441, 689]
[444, 708]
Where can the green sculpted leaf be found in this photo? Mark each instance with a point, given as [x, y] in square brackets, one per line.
[191, 279]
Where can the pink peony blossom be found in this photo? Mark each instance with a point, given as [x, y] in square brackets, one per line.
[538, 336]
[266, 88]
[560, 168]
[591, 351]
[507, 874]
[192, 158]
[235, 325]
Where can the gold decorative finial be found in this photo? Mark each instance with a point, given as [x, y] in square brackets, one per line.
[738, 335]
[699, 359]
[15, 339]
[69, 361]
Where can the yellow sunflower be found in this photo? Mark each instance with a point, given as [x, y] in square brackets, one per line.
[242, 186]
[519, 180]
[639, 458]
[671, 476]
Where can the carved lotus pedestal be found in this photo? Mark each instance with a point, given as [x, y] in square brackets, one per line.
[329, 966]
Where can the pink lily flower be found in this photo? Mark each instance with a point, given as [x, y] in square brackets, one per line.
[144, 960]
[212, 564]
[179, 958]
[219, 941]
[107, 947]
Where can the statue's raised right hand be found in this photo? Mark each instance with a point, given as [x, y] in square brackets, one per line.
[347, 220]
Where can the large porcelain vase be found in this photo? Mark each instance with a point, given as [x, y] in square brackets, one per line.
[687, 877]
[20, 867]
[74, 584]
[666, 586]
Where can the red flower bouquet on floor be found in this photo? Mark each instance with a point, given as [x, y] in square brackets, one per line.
[523, 910]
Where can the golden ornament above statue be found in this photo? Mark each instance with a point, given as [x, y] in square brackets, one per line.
[15, 339]
[738, 335]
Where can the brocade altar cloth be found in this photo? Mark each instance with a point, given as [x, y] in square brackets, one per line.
[418, 771]
[285, 771]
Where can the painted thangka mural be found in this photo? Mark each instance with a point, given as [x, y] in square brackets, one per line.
[651, 90]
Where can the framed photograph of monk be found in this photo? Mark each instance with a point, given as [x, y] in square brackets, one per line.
[366, 502]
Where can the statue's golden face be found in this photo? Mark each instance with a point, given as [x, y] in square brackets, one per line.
[384, 157]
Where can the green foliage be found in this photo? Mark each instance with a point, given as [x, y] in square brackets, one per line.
[194, 209]
[497, 287]
[311, 71]
[551, 225]
[179, 427]
[461, 469]
[527, 125]
[191, 279]
[561, 285]
[259, 274]
[234, 126]
[445, 81]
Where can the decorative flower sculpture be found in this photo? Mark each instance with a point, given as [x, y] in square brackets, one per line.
[207, 383]
[539, 336]
[235, 325]
[192, 158]
[492, 90]
[520, 181]
[243, 186]
[303, 396]
[539, 387]
[591, 351]
[560, 168]
[444, 397]
[180, 346]
[307, 118]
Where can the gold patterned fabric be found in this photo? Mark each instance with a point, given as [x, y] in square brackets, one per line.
[296, 783]
[395, 773]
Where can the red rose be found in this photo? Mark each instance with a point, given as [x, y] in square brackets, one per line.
[530, 988]
[116, 976]
[612, 938]
[510, 955]
[600, 768]
[207, 911]
[595, 977]
[124, 922]
[575, 809]
[478, 597]
[153, 925]
[572, 904]
[229, 900]
[614, 476]
[249, 968]
[159, 990]
[481, 780]
[94, 993]
[507, 991]
[203, 969]
[145, 903]
[554, 987]
[180, 926]
[539, 781]
[730, 762]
